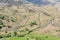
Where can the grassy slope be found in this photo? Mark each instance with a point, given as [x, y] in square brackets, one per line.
[33, 37]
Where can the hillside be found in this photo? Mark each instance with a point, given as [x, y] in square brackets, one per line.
[21, 18]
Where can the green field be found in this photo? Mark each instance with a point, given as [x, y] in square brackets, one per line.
[33, 37]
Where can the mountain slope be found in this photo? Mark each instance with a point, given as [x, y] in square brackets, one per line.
[27, 19]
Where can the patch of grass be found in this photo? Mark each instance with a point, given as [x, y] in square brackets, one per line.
[14, 38]
[33, 37]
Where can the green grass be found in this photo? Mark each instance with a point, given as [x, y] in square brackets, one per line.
[14, 38]
[33, 37]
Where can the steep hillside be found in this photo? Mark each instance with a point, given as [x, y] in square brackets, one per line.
[18, 17]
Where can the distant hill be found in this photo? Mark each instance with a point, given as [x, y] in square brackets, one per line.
[39, 2]
[13, 2]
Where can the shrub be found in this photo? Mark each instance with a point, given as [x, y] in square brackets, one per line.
[5, 31]
[13, 34]
[3, 35]
[9, 26]
[15, 12]
[38, 38]
[9, 35]
[46, 36]
[26, 29]
[8, 20]
[13, 19]
[31, 10]
[57, 30]
[21, 34]
[2, 16]
[33, 23]
[1, 24]
[27, 38]
[29, 32]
